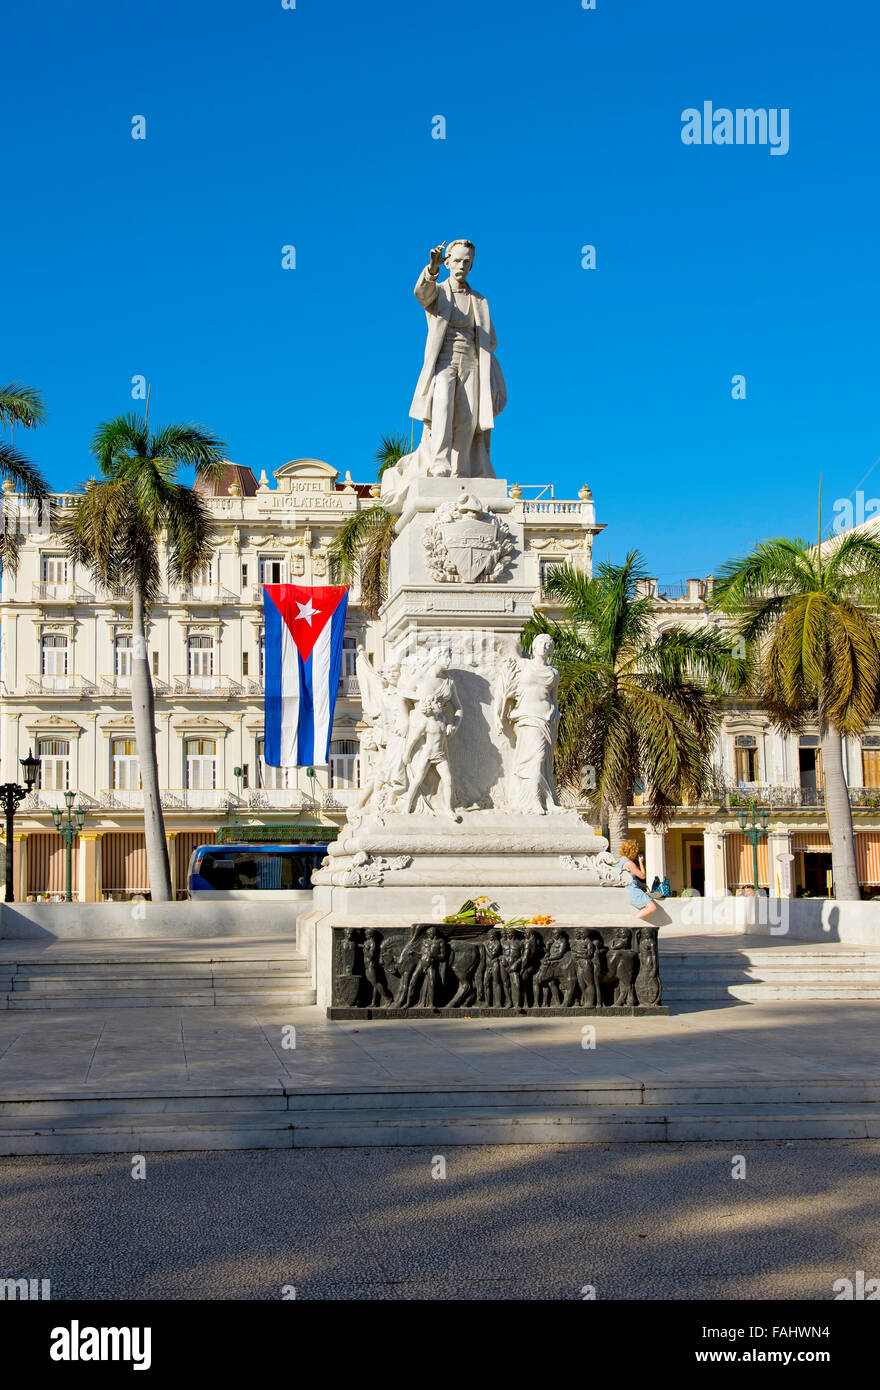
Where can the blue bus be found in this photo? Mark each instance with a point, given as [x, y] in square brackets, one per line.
[239, 872]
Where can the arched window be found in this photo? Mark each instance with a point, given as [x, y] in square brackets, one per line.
[54, 659]
[345, 764]
[273, 778]
[349, 657]
[124, 767]
[201, 764]
[122, 654]
[746, 758]
[200, 656]
[54, 756]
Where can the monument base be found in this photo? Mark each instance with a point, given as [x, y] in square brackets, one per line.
[577, 1011]
[458, 969]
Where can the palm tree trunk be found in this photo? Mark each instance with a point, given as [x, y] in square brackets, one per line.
[618, 826]
[143, 712]
[838, 813]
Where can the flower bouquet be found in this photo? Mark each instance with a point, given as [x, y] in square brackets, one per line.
[476, 912]
[482, 912]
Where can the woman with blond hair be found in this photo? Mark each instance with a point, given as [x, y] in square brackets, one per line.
[633, 861]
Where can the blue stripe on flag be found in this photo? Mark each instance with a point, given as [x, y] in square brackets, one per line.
[305, 738]
[337, 632]
[272, 678]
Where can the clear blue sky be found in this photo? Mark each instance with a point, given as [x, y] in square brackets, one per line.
[312, 127]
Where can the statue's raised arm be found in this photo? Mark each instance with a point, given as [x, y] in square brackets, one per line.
[461, 389]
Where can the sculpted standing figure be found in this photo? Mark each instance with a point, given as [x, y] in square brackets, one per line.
[435, 716]
[525, 698]
[461, 388]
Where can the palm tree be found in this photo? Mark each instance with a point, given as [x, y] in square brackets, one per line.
[114, 530]
[19, 405]
[631, 705]
[363, 543]
[812, 618]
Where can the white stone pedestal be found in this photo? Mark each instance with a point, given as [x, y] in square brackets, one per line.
[458, 596]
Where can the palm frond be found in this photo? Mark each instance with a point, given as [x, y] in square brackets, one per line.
[392, 448]
[190, 534]
[22, 405]
[26, 475]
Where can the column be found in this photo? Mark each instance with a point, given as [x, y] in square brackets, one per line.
[20, 865]
[655, 855]
[714, 864]
[171, 839]
[89, 882]
[779, 842]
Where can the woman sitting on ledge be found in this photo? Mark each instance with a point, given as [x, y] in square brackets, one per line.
[633, 861]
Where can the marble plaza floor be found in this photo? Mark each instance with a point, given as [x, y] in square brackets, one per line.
[269, 1074]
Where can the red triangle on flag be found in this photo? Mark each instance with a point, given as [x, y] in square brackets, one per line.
[306, 609]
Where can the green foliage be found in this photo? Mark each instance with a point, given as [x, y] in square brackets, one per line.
[363, 542]
[631, 704]
[114, 528]
[812, 617]
[19, 405]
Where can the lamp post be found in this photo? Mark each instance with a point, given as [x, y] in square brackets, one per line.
[753, 824]
[10, 795]
[68, 829]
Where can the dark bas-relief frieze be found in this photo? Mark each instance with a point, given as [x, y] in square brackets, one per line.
[442, 968]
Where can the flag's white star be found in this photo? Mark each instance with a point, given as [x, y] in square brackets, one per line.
[307, 611]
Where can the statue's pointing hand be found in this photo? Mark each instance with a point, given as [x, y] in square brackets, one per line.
[436, 258]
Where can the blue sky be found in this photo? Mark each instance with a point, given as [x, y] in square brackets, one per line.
[312, 127]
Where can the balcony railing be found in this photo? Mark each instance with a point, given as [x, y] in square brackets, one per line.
[349, 685]
[339, 798]
[121, 685]
[206, 685]
[119, 799]
[272, 798]
[209, 593]
[61, 591]
[45, 799]
[188, 799]
[253, 685]
[117, 593]
[60, 685]
[865, 798]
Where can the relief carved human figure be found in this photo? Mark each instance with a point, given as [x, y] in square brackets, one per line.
[526, 702]
[435, 716]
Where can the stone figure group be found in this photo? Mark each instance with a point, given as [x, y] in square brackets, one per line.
[522, 970]
[412, 712]
[410, 715]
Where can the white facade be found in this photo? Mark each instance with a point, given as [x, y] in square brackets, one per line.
[65, 676]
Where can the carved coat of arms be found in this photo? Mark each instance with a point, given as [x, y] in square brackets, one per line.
[467, 543]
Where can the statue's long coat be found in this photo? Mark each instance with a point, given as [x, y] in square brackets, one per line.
[439, 304]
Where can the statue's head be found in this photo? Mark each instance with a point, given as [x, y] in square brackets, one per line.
[542, 646]
[459, 259]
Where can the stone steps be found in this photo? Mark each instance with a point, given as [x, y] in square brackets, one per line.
[239, 1118]
[761, 974]
[75, 983]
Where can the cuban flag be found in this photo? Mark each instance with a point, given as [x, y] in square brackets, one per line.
[304, 629]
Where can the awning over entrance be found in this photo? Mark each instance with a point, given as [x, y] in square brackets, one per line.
[811, 842]
[868, 857]
[124, 864]
[740, 863]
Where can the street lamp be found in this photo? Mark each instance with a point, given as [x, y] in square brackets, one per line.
[68, 829]
[753, 824]
[10, 795]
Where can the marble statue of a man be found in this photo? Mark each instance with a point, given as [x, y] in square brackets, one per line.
[461, 389]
